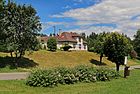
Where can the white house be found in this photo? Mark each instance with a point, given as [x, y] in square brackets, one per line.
[66, 38]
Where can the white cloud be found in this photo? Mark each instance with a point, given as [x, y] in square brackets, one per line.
[96, 29]
[118, 12]
[47, 25]
[67, 7]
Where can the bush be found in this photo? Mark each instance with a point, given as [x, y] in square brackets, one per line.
[104, 74]
[85, 73]
[66, 76]
[53, 77]
[43, 78]
[92, 49]
[66, 48]
[52, 44]
[133, 54]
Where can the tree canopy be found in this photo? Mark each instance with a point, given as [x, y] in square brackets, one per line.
[117, 47]
[136, 42]
[91, 40]
[99, 44]
[19, 26]
[52, 44]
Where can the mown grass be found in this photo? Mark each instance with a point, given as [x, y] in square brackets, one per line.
[131, 85]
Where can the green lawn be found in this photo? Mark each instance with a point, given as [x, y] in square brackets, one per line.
[131, 85]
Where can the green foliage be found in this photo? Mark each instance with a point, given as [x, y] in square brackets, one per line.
[19, 26]
[99, 44]
[136, 42]
[86, 74]
[104, 74]
[66, 47]
[91, 40]
[116, 48]
[3, 48]
[43, 78]
[66, 75]
[52, 44]
[92, 49]
[133, 54]
[53, 77]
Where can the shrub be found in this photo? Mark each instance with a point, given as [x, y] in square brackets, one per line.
[66, 76]
[104, 74]
[66, 47]
[85, 73]
[92, 49]
[133, 54]
[43, 78]
[52, 44]
[53, 77]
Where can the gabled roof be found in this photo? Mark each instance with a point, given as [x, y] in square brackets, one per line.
[63, 37]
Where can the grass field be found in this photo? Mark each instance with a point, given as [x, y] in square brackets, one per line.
[48, 59]
[69, 59]
[131, 85]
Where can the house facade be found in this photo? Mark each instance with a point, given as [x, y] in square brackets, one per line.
[66, 38]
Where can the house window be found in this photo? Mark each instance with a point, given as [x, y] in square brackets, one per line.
[84, 46]
[79, 46]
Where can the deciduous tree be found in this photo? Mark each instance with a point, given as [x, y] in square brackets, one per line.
[20, 24]
[117, 47]
[99, 44]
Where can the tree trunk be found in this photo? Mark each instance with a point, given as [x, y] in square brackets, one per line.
[11, 54]
[16, 59]
[101, 56]
[117, 67]
[20, 54]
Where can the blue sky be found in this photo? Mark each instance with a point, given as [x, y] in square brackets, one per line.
[46, 8]
[87, 15]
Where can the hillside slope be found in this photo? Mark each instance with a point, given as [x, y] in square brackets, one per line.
[60, 58]
[70, 59]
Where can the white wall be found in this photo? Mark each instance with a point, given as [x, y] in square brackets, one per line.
[61, 44]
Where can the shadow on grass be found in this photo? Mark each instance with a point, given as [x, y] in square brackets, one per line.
[138, 58]
[93, 61]
[22, 63]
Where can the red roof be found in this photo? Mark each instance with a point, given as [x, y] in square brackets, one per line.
[63, 37]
